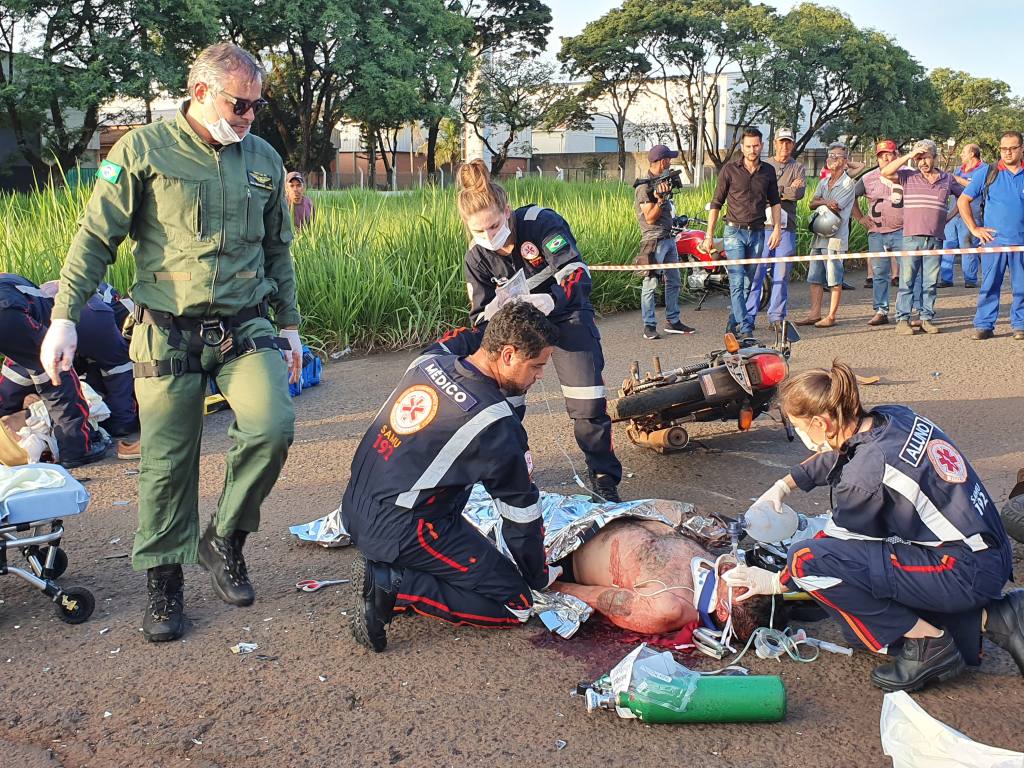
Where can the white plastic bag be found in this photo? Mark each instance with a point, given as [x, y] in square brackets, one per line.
[915, 739]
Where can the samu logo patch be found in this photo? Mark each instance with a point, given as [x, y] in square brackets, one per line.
[261, 180]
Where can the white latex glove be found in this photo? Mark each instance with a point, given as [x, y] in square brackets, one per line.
[496, 303]
[757, 581]
[542, 301]
[554, 571]
[775, 495]
[57, 353]
[294, 354]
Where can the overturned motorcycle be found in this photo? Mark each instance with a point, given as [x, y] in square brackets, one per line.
[737, 382]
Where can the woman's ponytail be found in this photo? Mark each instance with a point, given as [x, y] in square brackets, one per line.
[476, 190]
[821, 392]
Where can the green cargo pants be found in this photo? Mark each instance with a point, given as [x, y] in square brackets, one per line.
[171, 414]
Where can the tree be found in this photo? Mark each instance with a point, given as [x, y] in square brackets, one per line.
[981, 109]
[852, 82]
[519, 26]
[514, 93]
[63, 61]
[609, 55]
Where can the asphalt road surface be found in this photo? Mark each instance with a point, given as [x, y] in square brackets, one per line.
[98, 695]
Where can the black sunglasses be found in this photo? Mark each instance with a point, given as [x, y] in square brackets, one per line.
[241, 106]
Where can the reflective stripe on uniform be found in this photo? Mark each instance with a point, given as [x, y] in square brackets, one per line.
[516, 401]
[517, 514]
[930, 515]
[568, 269]
[813, 583]
[11, 375]
[422, 358]
[533, 212]
[116, 370]
[540, 277]
[452, 450]
[583, 393]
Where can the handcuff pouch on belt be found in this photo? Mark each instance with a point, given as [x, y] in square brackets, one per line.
[215, 332]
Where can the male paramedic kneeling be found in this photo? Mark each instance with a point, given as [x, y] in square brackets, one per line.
[915, 552]
[203, 200]
[447, 426]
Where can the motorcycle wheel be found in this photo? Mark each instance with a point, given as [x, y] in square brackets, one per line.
[655, 400]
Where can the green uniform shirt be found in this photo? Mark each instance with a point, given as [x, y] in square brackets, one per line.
[210, 227]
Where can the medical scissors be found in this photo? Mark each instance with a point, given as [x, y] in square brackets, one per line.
[312, 585]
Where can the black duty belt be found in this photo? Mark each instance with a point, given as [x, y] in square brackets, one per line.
[216, 332]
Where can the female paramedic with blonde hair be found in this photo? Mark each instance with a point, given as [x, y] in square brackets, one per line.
[915, 554]
[538, 242]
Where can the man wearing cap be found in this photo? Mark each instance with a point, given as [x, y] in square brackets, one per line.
[301, 206]
[925, 192]
[957, 234]
[790, 175]
[884, 223]
[653, 208]
[1002, 190]
[746, 186]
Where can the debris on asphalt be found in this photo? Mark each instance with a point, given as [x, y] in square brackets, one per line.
[341, 353]
[244, 648]
[561, 744]
[120, 503]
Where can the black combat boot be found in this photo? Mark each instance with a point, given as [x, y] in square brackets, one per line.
[1005, 625]
[604, 487]
[164, 619]
[375, 587]
[922, 660]
[222, 558]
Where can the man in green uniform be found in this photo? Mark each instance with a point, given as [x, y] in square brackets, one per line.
[204, 204]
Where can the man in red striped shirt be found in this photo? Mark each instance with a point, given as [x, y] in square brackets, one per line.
[925, 213]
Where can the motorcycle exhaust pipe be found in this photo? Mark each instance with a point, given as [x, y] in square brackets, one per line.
[662, 440]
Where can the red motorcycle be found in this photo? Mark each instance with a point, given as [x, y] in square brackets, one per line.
[705, 280]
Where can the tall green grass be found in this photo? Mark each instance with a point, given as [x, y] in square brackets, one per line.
[379, 270]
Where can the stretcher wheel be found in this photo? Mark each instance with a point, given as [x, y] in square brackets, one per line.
[60, 563]
[75, 605]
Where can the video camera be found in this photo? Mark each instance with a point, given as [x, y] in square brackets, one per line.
[671, 176]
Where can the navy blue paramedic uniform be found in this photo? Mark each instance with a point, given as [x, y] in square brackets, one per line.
[445, 427]
[101, 357]
[914, 534]
[546, 251]
[24, 319]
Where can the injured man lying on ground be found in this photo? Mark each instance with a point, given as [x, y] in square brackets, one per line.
[636, 563]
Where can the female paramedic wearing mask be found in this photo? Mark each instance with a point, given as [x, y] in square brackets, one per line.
[914, 559]
[538, 242]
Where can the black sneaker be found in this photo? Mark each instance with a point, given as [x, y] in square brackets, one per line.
[375, 586]
[97, 452]
[678, 327]
[921, 661]
[1005, 625]
[222, 558]
[651, 332]
[164, 619]
[869, 282]
[603, 487]
[970, 285]
[944, 284]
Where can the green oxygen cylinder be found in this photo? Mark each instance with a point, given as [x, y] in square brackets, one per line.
[739, 699]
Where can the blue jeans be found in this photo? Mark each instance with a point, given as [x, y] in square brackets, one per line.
[780, 279]
[665, 254]
[830, 272]
[881, 269]
[959, 236]
[993, 267]
[912, 266]
[741, 244]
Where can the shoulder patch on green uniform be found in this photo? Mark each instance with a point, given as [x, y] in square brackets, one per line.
[261, 180]
[109, 171]
[555, 244]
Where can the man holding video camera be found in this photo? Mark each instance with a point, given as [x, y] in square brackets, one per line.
[653, 205]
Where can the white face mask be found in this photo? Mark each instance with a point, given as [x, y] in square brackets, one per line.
[222, 132]
[811, 445]
[500, 240]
